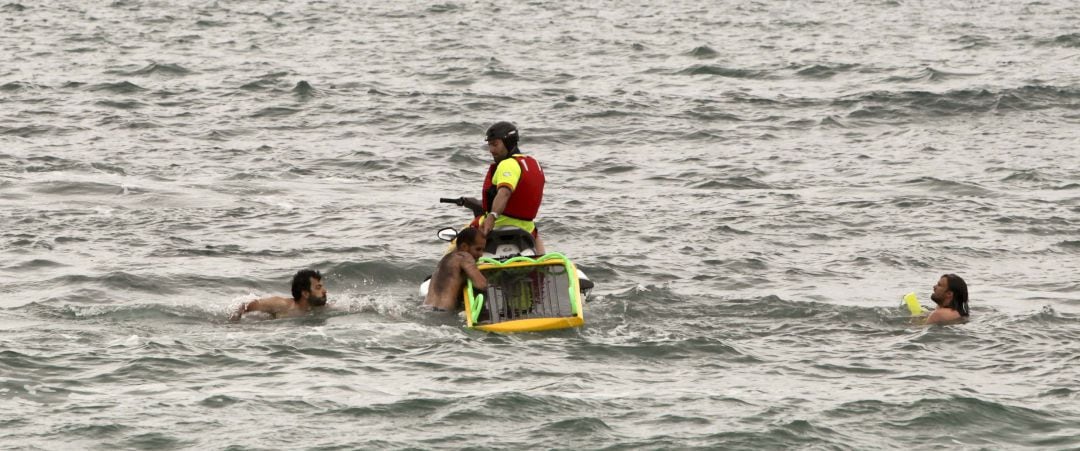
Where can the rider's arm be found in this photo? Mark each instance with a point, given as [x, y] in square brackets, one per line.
[501, 199]
[497, 207]
[506, 177]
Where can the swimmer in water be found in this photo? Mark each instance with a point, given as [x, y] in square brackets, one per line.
[308, 293]
[444, 292]
[951, 297]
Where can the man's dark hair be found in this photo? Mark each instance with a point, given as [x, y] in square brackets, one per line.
[467, 236]
[959, 293]
[302, 281]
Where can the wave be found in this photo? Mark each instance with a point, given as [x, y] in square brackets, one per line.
[500, 74]
[383, 272]
[618, 169]
[1025, 175]
[405, 408]
[1073, 245]
[823, 71]
[338, 274]
[30, 131]
[977, 418]
[304, 89]
[123, 87]
[893, 104]
[663, 302]
[93, 431]
[15, 86]
[76, 188]
[712, 69]
[158, 69]
[121, 104]
[738, 182]
[127, 312]
[929, 74]
[595, 428]
[972, 42]
[267, 81]
[37, 263]
[275, 111]
[952, 187]
[444, 8]
[794, 434]
[1049, 316]
[205, 23]
[452, 128]
[703, 52]
[1071, 40]
[139, 125]
[50, 163]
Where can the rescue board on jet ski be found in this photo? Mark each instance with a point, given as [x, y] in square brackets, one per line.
[525, 294]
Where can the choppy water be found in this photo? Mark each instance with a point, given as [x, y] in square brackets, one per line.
[752, 186]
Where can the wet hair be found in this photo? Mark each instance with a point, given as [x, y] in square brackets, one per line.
[960, 293]
[302, 281]
[468, 236]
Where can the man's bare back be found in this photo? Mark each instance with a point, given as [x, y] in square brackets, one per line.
[445, 290]
[447, 282]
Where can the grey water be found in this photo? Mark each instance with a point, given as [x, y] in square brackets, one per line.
[752, 186]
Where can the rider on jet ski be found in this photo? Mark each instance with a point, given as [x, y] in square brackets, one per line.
[513, 186]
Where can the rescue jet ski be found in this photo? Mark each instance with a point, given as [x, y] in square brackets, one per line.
[526, 292]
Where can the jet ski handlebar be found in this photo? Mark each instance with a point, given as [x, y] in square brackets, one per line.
[467, 202]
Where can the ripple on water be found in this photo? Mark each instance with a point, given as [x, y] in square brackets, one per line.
[823, 71]
[703, 52]
[122, 87]
[274, 112]
[721, 71]
[166, 69]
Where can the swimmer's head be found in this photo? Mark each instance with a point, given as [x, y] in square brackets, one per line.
[472, 241]
[309, 282]
[951, 291]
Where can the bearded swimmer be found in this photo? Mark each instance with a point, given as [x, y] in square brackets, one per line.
[308, 294]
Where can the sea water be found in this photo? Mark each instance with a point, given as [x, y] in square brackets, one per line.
[752, 186]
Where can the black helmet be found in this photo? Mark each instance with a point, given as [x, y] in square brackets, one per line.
[505, 131]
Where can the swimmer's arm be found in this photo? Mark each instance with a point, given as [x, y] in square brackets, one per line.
[478, 280]
[272, 306]
[240, 311]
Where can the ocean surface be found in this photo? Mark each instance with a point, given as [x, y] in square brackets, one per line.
[752, 186]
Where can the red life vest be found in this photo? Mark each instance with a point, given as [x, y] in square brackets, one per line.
[525, 201]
